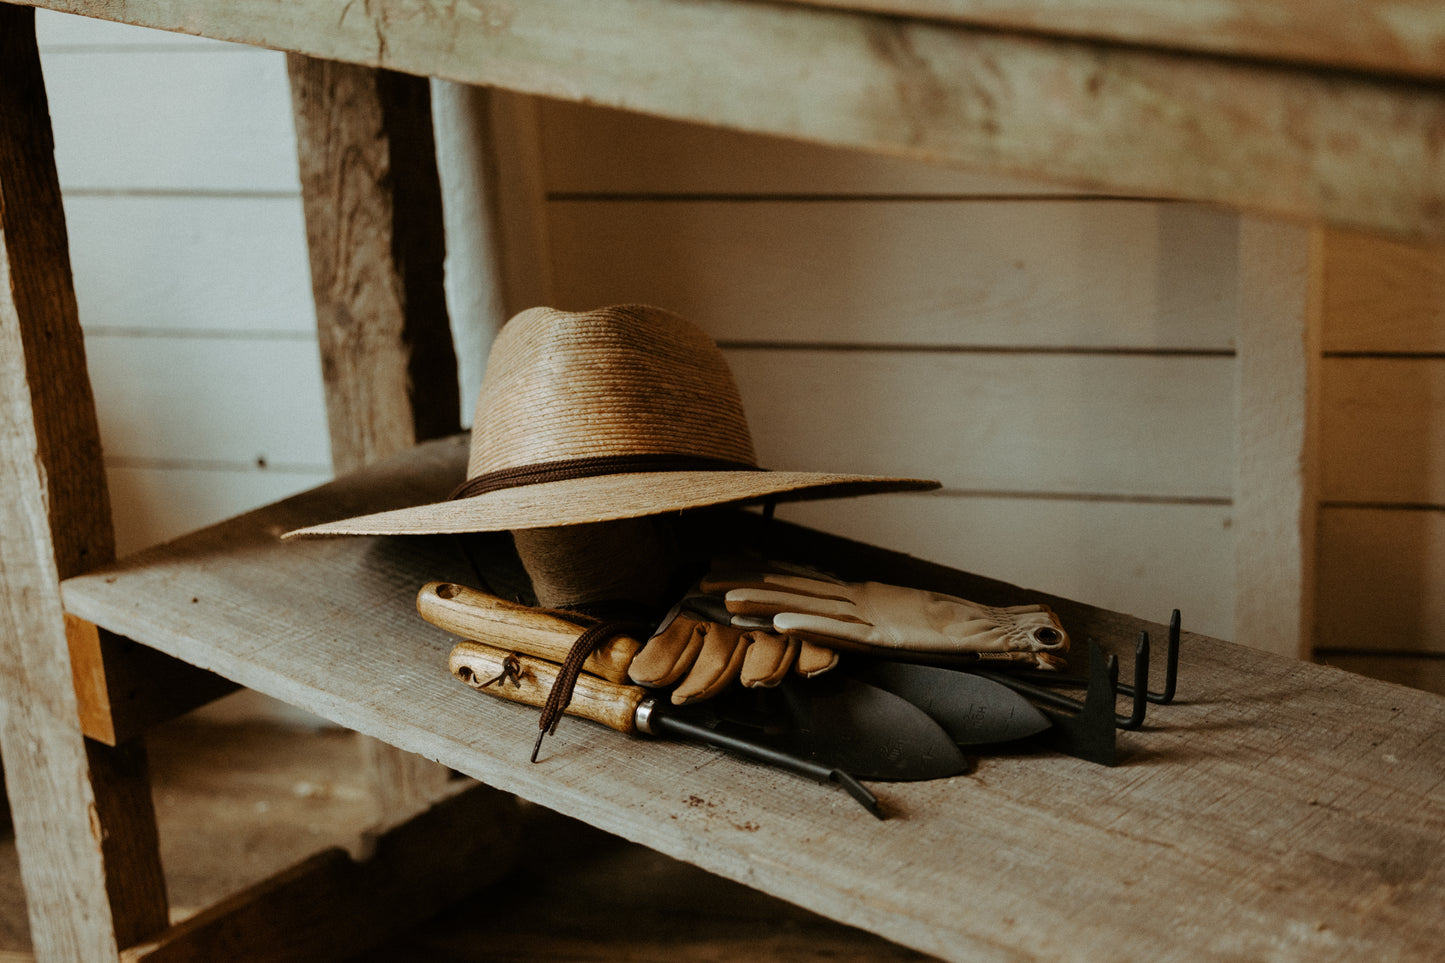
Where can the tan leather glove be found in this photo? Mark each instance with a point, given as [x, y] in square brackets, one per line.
[883, 619]
[699, 645]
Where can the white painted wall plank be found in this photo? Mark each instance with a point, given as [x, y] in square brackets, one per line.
[1021, 273]
[189, 120]
[212, 400]
[1112, 424]
[1144, 559]
[200, 264]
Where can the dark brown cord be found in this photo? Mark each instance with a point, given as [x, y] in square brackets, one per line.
[592, 468]
[559, 697]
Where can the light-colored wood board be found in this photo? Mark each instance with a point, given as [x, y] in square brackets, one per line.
[1237, 826]
[1144, 558]
[203, 264]
[228, 400]
[1277, 398]
[124, 690]
[228, 127]
[1380, 578]
[1415, 672]
[1058, 273]
[84, 824]
[1083, 424]
[374, 236]
[1292, 143]
[1383, 430]
[1384, 35]
[156, 503]
[1382, 295]
[596, 150]
[57, 31]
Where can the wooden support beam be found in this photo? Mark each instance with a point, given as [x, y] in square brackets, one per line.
[331, 907]
[1383, 35]
[124, 689]
[1277, 475]
[84, 823]
[374, 229]
[1292, 141]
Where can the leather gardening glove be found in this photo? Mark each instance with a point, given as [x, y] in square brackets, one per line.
[700, 644]
[882, 619]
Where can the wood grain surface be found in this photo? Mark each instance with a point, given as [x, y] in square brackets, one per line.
[1257, 134]
[1278, 809]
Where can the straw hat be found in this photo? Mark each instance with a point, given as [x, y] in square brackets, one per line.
[600, 415]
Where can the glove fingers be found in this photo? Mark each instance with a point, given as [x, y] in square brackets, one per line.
[718, 662]
[848, 631]
[768, 659]
[668, 654]
[754, 601]
[814, 659]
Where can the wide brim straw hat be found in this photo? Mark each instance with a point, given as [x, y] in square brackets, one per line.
[601, 415]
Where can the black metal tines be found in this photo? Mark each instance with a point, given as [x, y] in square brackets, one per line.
[1139, 692]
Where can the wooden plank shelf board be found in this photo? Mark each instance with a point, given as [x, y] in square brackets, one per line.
[1279, 810]
[1264, 133]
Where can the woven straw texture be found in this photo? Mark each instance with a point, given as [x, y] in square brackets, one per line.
[621, 381]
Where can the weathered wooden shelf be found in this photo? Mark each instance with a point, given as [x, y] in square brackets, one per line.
[1278, 810]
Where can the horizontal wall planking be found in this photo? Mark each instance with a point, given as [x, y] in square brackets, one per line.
[228, 124]
[1380, 295]
[1418, 672]
[1049, 423]
[1143, 558]
[1381, 579]
[599, 150]
[210, 399]
[1132, 274]
[178, 263]
[156, 503]
[58, 31]
[1383, 430]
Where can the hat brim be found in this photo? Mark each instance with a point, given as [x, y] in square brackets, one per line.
[608, 498]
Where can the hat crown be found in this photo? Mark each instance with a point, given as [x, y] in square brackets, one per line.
[614, 382]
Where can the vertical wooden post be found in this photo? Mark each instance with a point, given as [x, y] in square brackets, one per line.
[374, 229]
[494, 200]
[84, 822]
[1275, 501]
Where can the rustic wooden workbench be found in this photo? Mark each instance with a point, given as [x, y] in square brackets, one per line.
[1280, 810]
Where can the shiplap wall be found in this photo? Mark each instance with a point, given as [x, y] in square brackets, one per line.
[1063, 363]
[177, 163]
[1381, 606]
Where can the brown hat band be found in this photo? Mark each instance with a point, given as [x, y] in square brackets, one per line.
[592, 468]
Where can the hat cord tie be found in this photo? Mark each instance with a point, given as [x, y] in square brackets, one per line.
[592, 467]
[559, 697]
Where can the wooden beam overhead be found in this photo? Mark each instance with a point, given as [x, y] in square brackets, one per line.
[1272, 137]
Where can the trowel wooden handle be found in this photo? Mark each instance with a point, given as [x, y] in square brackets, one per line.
[482, 617]
[521, 678]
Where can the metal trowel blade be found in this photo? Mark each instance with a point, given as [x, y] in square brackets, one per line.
[973, 710]
[865, 731]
